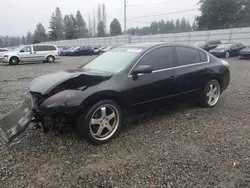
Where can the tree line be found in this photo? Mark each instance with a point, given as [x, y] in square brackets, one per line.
[215, 14]
[67, 27]
[163, 27]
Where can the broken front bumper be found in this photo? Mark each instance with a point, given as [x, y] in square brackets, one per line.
[15, 123]
[32, 109]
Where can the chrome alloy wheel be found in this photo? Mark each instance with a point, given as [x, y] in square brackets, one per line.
[213, 94]
[104, 122]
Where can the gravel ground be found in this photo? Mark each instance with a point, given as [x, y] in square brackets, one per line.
[183, 146]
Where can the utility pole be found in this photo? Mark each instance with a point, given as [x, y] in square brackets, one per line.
[125, 16]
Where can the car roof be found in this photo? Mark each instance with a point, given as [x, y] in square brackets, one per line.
[149, 45]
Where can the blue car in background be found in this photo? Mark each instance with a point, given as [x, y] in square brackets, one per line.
[81, 50]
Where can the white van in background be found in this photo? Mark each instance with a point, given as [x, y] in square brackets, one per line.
[32, 53]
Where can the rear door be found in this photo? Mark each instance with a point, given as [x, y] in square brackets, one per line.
[191, 69]
[157, 89]
[26, 54]
[39, 52]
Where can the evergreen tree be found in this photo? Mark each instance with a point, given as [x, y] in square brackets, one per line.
[23, 40]
[115, 28]
[29, 38]
[154, 28]
[6, 41]
[101, 30]
[219, 14]
[177, 26]
[56, 25]
[81, 25]
[40, 34]
[69, 27]
[183, 25]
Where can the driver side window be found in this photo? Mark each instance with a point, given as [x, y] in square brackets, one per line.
[26, 49]
[160, 58]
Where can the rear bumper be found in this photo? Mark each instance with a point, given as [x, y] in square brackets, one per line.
[57, 57]
[245, 55]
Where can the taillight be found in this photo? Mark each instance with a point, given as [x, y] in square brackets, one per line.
[225, 63]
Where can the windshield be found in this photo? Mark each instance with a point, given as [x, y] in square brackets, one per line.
[17, 48]
[112, 61]
[199, 44]
[224, 46]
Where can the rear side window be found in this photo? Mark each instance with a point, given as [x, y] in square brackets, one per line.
[187, 55]
[44, 48]
[160, 58]
[203, 56]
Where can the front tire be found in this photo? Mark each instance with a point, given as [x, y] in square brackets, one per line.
[211, 94]
[14, 61]
[101, 122]
[50, 59]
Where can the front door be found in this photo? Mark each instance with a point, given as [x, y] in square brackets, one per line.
[26, 54]
[157, 89]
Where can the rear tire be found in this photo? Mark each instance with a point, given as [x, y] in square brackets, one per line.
[227, 55]
[211, 94]
[101, 122]
[50, 59]
[14, 61]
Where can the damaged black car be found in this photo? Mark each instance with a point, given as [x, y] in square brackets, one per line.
[97, 97]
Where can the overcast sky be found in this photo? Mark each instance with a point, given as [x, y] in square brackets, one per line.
[19, 16]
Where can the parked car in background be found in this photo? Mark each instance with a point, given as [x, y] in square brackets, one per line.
[3, 51]
[106, 49]
[227, 50]
[128, 80]
[208, 45]
[245, 53]
[63, 50]
[98, 50]
[30, 53]
[81, 50]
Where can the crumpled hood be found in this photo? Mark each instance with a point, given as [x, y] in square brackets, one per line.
[70, 79]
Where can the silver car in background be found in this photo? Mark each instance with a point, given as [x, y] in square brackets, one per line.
[32, 53]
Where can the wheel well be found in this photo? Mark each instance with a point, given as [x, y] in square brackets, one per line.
[15, 57]
[219, 80]
[50, 55]
[94, 99]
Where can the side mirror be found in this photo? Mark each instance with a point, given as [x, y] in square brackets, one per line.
[21, 51]
[143, 69]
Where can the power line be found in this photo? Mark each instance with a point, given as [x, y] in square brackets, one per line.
[139, 21]
[145, 5]
[165, 13]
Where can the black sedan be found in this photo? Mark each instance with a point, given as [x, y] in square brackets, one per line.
[208, 45]
[227, 50]
[128, 80]
[245, 53]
